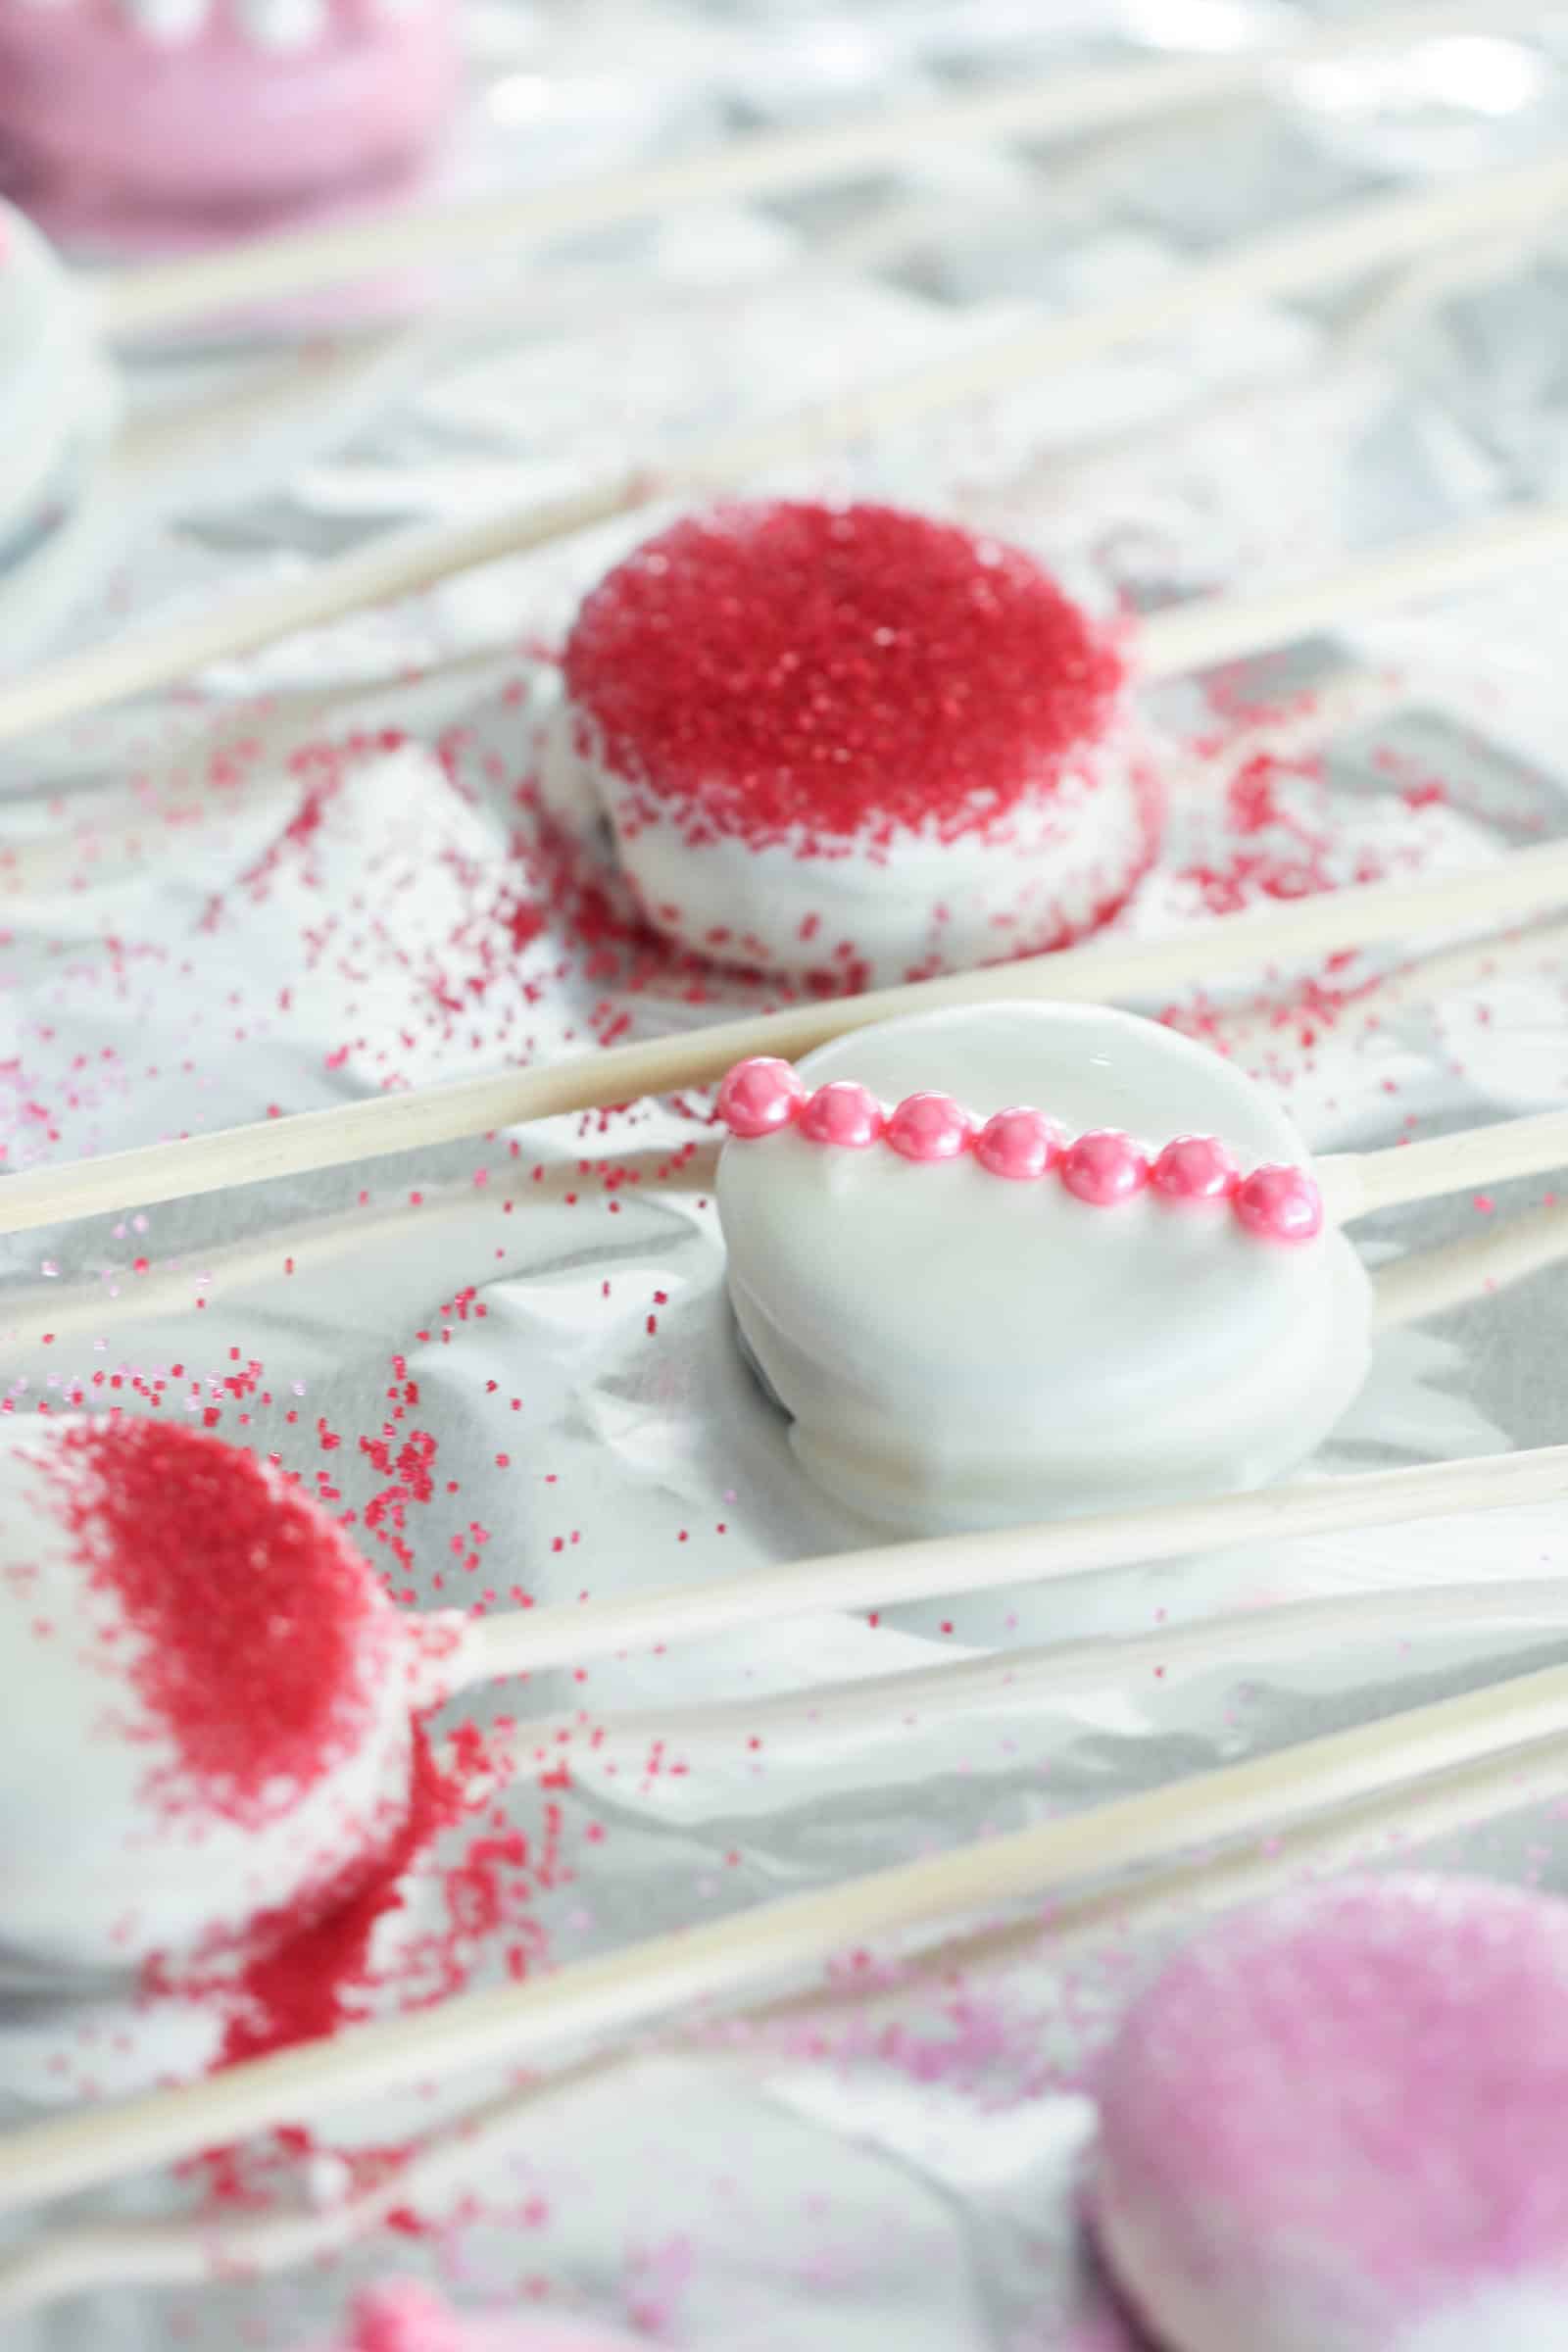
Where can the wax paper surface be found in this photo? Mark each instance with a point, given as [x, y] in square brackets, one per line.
[316, 876]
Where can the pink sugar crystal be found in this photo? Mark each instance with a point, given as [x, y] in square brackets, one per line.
[1336, 2124]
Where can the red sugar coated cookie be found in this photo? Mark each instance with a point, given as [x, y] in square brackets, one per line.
[851, 743]
[250, 1603]
[848, 671]
[210, 1698]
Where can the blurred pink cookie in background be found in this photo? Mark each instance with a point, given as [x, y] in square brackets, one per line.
[135, 123]
[1336, 2123]
[401, 2316]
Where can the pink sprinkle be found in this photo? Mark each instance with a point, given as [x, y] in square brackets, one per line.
[843, 1112]
[930, 1127]
[1279, 1205]
[1105, 1168]
[1194, 1167]
[760, 1096]
[1018, 1143]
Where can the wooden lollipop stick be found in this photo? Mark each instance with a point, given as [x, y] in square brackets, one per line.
[1429, 1281]
[1528, 880]
[1355, 1183]
[728, 1960]
[528, 1641]
[1449, 562]
[886, 1705]
[78, 2258]
[1350, 241]
[171, 294]
[1385, 1825]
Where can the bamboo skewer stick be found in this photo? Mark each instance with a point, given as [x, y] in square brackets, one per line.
[1528, 881]
[76, 2258]
[1354, 239]
[1355, 1183]
[928, 1696]
[726, 1961]
[72, 2259]
[1429, 1281]
[1387, 1822]
[1210, 630]
[1062, 100]
[529, 1641]
[1262, 1034]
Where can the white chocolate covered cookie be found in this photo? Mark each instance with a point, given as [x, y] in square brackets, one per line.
[207, 1699]
[1123, 1293]
[854, 743]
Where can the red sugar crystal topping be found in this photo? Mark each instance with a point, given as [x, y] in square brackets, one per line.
[250, 1604]
[775, 667]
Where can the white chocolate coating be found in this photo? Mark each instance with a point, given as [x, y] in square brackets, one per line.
[957, 1350]
[109, 1852]
[55, 389]
[1054, 868]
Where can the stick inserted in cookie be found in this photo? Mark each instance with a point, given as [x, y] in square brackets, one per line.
[1354, 239]
[726, 1961]
[171, 294]
[343, 1136]
[532, 1640]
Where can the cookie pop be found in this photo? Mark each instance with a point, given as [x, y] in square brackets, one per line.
[141, 123]
[852, 742]
[1334, 2125]
[207, 1699]
[211, 1704]
[1010, 1262]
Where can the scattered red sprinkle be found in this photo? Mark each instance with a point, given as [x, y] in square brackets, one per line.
[298, 1989]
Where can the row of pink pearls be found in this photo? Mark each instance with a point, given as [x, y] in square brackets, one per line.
[763, 1096]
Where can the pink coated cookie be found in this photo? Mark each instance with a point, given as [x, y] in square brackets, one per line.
[155, 120]
[403, 2316]
[1339, 2122]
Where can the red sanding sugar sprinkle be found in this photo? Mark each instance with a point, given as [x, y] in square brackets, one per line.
[783, 669]
[251, 1606]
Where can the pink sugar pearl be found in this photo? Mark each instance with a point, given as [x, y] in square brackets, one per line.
[930, 1127]
[843, 1112]
[760, 1096]
[1019, 1143]
[1104, 1168]
[1279, 1205]
[1194, 1167]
